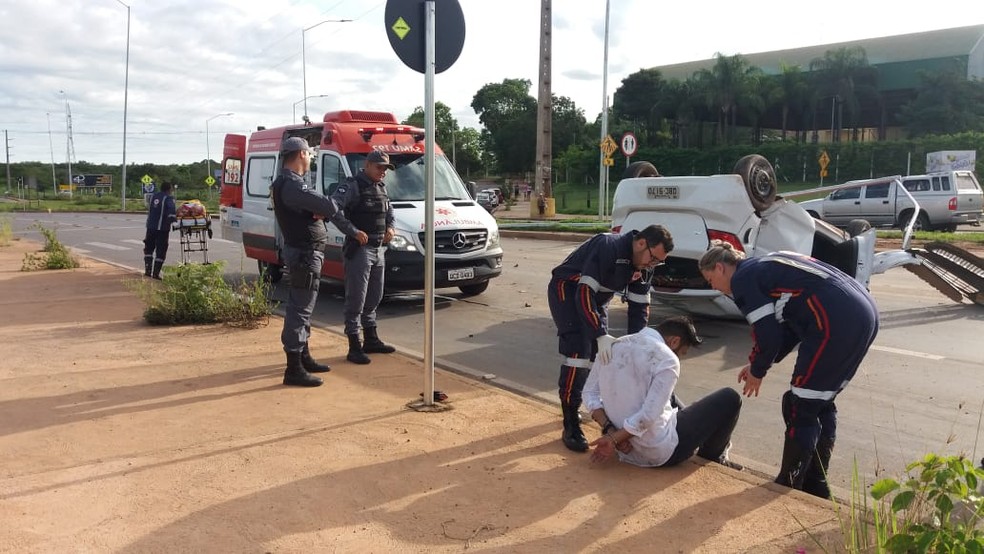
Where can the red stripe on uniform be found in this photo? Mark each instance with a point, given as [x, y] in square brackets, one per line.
[823, 324]
[586, 306]
[569, 384]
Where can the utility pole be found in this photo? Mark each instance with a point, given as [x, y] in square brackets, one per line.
[6, 143]
[544, 115]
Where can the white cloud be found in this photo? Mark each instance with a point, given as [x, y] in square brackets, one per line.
[191, 60]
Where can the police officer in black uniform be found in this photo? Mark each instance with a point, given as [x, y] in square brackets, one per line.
[300, 213]
[578, 295]
[161, 215]
[366, 218]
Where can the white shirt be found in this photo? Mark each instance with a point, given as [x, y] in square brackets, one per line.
[634, 389]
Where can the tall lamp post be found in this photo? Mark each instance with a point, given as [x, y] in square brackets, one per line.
[51, 147]
[68, 141]
[126, 90]
[294, 111]
[304, 55]
[208, 151]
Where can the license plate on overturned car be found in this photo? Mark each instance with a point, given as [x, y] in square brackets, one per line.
[461, 274]
[663, 192]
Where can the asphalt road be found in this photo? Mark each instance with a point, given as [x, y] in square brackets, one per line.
[920, 389]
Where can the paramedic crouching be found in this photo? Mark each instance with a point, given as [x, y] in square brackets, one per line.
[300, 212]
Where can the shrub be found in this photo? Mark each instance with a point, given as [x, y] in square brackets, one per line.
[55, 255]
[197, 294]
[6, 231]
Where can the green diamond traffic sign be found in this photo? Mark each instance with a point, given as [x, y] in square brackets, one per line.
[210, 181]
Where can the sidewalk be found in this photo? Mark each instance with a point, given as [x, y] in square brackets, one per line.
[119, 437]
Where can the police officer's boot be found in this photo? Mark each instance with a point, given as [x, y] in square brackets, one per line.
[148, 260]
[296, 375]
[815, 481]
[372, 344]
[157, 269]
[795, 464]
[355, 353]
[573, 437]
[312, 365]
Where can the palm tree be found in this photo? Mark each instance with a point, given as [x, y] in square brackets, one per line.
[728, 85]
[844, 75]
[790, 92]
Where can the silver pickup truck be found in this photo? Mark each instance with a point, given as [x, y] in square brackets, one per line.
[945, 200]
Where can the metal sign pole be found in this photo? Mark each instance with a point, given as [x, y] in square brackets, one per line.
[429, 175]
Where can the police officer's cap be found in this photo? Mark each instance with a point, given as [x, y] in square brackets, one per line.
[379, 158]
[295, 144]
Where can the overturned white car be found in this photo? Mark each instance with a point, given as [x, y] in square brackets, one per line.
[743, 208]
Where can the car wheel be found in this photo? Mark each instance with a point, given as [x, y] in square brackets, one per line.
[640, 169]
[473, 290]
[760, 180]
[271, 273]
[922, 222]
[857, 226]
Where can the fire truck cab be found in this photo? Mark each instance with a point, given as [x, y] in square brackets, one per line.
[467, 251]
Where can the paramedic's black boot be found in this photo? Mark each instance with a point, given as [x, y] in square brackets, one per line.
[573, 437]
[312, 365]
[147, 264]
[296, 375]
[157, 269]
[372, 344]
[795, 464]
[815, 481]
[355, 353]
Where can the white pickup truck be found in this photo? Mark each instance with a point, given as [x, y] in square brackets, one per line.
[945, 200]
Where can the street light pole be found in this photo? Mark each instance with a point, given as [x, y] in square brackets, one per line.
[126, 91]
[68, 142]
[602, 169]
[304, 54]
[51, 148]
[294, 111]
[208, 151]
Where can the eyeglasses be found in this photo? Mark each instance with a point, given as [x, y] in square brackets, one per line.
[653, 260]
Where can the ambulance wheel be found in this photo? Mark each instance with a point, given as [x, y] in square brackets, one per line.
[271, 273]
[474, 290]
[760, 180]
[640, 169]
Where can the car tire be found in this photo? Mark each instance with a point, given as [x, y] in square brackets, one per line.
[857, 226]
[922, 222]
[640, 169]
[271, 273]
[474, 290]
[759, 179]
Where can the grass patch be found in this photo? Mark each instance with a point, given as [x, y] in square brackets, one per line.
[54, 255]
[930, 236]
[197, 294]
[6, 230]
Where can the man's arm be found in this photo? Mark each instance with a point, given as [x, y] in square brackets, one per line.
[638, 313]
[588, 286]
[666, 369]
[345, 196]
[297, 198]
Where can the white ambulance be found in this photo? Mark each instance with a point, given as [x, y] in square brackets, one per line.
[467, 252]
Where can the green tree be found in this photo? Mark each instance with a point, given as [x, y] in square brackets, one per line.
[640, 100]
[445, 125]
[844, 76]
[729, 85]
[790, 91]
[945, 103]
[568, 123]
[508, 113]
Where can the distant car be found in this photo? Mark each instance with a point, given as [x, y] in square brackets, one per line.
[743, 209]
[487, 200]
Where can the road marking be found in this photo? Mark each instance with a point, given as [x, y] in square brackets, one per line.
[107, 246]
[224, 241]
[78, 250]
[134, 241]
[912, 353]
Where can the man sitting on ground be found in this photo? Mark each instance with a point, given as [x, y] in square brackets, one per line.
[630, 397]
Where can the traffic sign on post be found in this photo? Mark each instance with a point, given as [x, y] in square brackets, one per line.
[629, 144]
[405, 27]
[608, 146]
[210, 181]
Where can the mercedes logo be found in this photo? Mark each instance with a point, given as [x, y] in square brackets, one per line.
[458, 240]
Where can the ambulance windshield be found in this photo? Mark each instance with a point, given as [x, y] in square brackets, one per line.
[407, 181]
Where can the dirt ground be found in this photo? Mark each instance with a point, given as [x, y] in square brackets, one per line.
[120, 437]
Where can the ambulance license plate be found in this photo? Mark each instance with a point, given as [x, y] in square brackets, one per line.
[461, 274]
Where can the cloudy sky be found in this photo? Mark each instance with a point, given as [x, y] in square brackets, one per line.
[191, 60]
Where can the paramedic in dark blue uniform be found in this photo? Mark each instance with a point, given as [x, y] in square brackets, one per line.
[366, 218]
[159, 219]
[793, 300]
[579, 293]
[300, 213]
